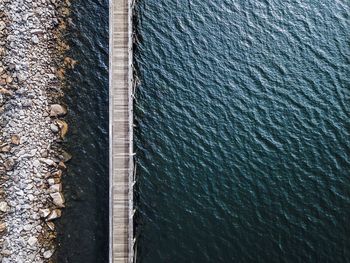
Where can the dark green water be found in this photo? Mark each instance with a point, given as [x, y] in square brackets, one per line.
[243, 131]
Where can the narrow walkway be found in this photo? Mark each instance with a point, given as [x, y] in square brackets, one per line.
[121, 135]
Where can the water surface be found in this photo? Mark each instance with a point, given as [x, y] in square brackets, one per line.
[83, 228]
[243, 131]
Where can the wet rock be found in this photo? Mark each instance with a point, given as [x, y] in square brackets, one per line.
[69, 62]
[65, 157]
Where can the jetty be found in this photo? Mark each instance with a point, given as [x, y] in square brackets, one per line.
[121, 163]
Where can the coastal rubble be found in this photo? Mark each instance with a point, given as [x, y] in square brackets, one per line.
[31, 128]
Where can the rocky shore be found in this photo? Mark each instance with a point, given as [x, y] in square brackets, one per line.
[32, 162]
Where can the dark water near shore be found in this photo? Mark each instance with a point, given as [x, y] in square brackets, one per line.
[83, 228]
[243, 131]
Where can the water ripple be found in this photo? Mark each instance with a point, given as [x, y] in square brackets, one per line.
[243, 137]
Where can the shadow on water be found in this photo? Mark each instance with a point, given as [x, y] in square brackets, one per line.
[83, 228]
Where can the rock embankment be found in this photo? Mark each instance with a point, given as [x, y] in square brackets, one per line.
[31, 128]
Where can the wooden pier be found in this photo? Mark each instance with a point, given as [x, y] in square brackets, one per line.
[121, 132]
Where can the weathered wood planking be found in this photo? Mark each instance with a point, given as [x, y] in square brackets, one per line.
[121, 134]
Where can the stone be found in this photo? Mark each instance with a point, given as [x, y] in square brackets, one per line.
[51, 181]
[51, 225]
[48, 254]
[63, 128]
[28, 227]
[57, 199]
[57, 110]
[54, 128]
[35, 39]
[44, 212]
[32, 241]
[62, 166]
[15, 139]
[2, 227]
[54, 215]
[2, 25]
[3, 207]
[69, 62]
[6, 149]
[55, 188]
[5, 92]
[49, 162]
[9, 79]
[9, 164]
[57, 174]
[65, 157]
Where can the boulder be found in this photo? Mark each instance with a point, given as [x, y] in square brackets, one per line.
[57, 110]
[63, 128]
[44, 213]
[57, 199]
[54, 215]
[55, 188]
[65, 157]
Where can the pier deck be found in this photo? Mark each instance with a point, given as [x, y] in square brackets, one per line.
[121, 134]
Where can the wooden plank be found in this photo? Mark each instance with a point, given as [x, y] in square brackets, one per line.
[121, 161]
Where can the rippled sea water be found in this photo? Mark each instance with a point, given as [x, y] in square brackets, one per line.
[243, 131]
[83, 228]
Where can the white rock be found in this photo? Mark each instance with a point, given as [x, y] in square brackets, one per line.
[54, 215]
[35, 39]
[27, 227]
[47, 254]
[3, 207]
[58, 199]
[32, 241]
[44, 213]
[55, 188]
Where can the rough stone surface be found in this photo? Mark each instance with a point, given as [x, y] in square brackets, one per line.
[32, 66]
